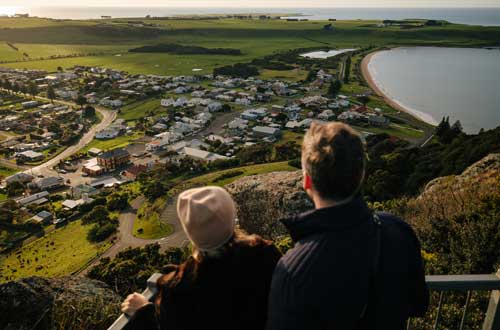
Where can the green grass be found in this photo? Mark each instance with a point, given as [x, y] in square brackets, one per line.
[402, 132]
[148, 224]
[211, 178]
[289, 136]
[7, 171]
[291, 75]
[254, 38]
[59, 253]
[119, 142]
[141, 109]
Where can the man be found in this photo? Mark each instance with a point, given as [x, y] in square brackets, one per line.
[350, 268]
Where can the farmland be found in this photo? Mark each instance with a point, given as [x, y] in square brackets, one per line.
[106, 42]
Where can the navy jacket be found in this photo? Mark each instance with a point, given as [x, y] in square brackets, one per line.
[326, 280]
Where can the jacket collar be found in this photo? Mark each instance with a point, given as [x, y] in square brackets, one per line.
[330, 219]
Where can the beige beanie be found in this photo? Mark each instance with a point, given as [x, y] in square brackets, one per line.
[207, 215]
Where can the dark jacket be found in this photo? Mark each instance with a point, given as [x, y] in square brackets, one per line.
[324, 281]
[229, 292]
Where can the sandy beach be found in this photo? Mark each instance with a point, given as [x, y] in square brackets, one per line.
[371, 82]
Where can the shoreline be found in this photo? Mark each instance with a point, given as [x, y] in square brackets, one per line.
[365, 72]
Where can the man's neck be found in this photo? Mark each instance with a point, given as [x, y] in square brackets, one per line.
[321, 203]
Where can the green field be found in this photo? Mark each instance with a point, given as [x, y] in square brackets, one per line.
[119, 142]
[213, 178]
[58, 253]
[6, 171]
[140, 109]
[255, 38]
[148, 225]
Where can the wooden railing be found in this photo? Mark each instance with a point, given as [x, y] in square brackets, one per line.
[439, 283]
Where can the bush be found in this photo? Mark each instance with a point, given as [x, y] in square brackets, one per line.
[99, 233]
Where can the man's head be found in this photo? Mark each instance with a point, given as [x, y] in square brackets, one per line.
[333, 160]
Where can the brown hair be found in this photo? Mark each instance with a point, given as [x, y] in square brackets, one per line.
[333, 155]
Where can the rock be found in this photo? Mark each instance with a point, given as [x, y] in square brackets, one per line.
[480, 175]
[448, 196]
[265, 199]
[32, 302]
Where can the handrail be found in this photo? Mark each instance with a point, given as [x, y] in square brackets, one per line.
[442, 283]
[149, 293]
[463, 282]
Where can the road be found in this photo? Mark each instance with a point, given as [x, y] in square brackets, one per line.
[126, 239]
[45, 169]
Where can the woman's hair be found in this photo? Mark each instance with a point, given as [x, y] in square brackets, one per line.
[239, 237]
[172, 278]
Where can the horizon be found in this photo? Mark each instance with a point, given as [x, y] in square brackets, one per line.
[256, 4]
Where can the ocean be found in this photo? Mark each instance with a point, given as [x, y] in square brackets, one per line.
[434, 82]
[470, 16]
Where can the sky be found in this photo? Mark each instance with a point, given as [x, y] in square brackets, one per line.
[255, 3]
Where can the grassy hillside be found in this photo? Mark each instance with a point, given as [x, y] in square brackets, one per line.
[255, 38]
[53, 254]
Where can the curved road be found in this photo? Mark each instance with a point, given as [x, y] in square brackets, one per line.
[126, 239]
[46, 168]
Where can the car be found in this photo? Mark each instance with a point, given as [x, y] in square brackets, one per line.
[85, 174]
[62, 171]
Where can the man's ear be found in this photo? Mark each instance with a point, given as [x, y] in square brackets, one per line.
[307, 182]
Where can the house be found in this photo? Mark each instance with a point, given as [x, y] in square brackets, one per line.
[38, 198]
[29, 104]
[157, 145]
[107, 133]
[70, 204]
[90, 167]
[238, 124]
[379, 121]
[42, 217]
[214, 107]
[19, 177]
[264, 131]
[326, 115]
[201, 154]
[113, 159]
[82, 190]
[51, 182]
[30, 156]
[94, 151]
[167, 102]
[133, 171]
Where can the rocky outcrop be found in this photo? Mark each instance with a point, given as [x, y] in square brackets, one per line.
[478, 176]
[40, 303]
[265, 199]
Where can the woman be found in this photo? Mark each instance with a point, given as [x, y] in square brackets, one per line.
[224, 284]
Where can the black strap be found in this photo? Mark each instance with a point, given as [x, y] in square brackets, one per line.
[374, 272]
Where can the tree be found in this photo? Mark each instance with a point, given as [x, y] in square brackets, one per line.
[33, 88]
[311, 76]
[347, 71]
[334, 88]
[15, 188]
[51, 94]
[117, 201]
[81, 100]
[152, 190]
[98, 215]
[363, 99]
[59, 68]
[89, 111]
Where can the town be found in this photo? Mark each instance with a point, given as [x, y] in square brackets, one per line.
[202, 117]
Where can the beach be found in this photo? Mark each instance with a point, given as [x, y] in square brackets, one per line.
[394, 104]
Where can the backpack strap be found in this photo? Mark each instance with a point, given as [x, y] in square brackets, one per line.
[374, 271]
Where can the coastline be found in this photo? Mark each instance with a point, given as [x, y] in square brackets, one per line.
[365, 72]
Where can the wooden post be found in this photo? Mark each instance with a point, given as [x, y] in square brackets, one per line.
[492, 319]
